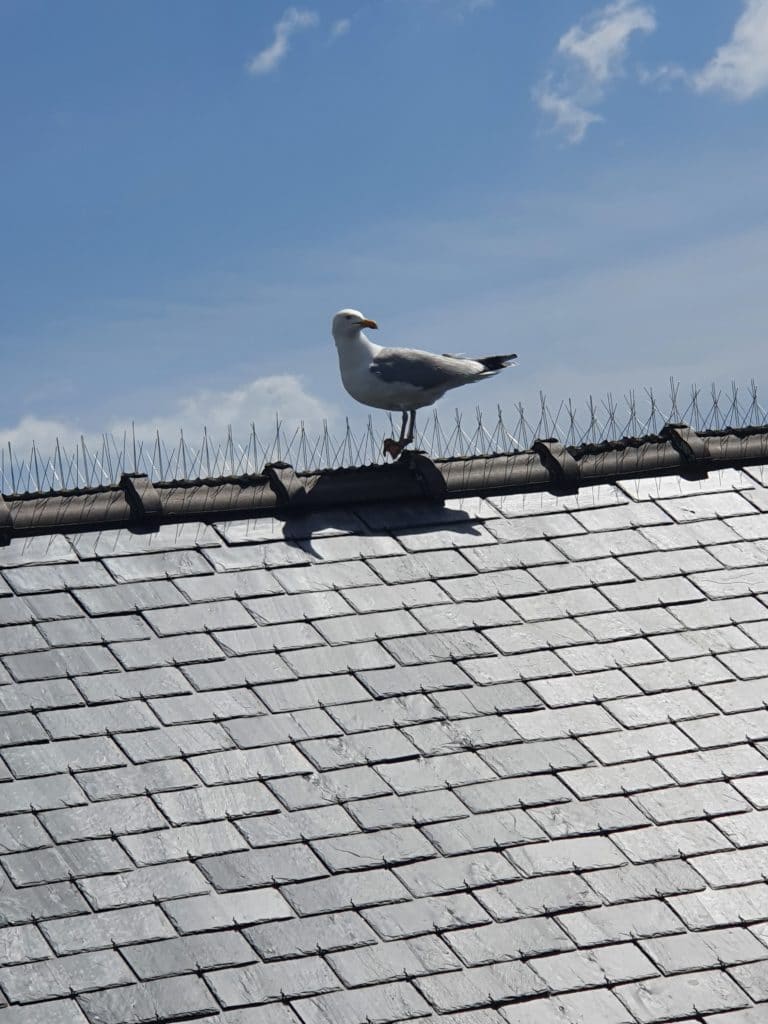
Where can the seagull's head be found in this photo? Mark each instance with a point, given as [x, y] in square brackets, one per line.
[348, 323]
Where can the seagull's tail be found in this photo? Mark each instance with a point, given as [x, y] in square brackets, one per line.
[496, 362]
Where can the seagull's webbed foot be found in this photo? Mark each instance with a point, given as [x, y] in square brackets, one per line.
[395, 448]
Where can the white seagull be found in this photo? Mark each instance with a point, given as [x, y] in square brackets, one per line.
[401, 379]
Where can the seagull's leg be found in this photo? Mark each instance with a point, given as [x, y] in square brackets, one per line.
[411, 427]
[394, 448]
[403, 430]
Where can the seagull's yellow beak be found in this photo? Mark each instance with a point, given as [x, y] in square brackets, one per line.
[369, 323]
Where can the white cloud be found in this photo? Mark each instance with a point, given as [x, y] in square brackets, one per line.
[593, 55]
[602, 47]
[340, 27]
[294, 20]
[258, 402]
[740, 67]
[570, 118]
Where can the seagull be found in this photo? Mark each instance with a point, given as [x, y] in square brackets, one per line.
[400, 379]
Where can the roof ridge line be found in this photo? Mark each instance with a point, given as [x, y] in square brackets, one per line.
[548, 465]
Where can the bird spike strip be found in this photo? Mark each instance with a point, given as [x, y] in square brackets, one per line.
[102, 463]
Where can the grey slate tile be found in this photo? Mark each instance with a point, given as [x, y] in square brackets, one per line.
[163, 845]
[153, 1001]
[36, 903]
[106, 929]
[337, 576]
[142, 683]
[362, 748]
[22, 944]
[300, 937]
[95, 721]
[144, 885]
[456, 874]
[464, 615]
[41, 794]
[201, 707]
[383, 848]
[371, 626]
[480, 986]
[325, 661]
[261, 639]
[720, 947]
[223, 910]
[404, 680]
[188, 954]
[604, 965]
[412, 809]
[384, 1004]
[466, 734]
[622, 923]
[273, 865]
[537, 756]
[269, 729]
[63, 976]
[493, 943]
[300, 792]
[252, 669]
[36, 551]
[97, 821]
[664, 998]
[174, 741]
[422, 916]
[160, 566]
[718, 907]
[21, 832]
[645, 881]
[134, 780]
[599, 816]
[501, 794]
[299, 826]
[224, 585]
[124, 598]
[39, 696]
[23, 728]
[246, 765]
[345, 892]
[192, 806]
[664, 842]
[447, 770]
[272, 982]
[198, 618]
[67, 861]
[574, 1008]
[483, 832]
[174, 650]
[364, 714]
[687, 803]
[393, 961]
[64, 661]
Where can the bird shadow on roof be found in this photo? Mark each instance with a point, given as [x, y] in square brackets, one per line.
[385, 519]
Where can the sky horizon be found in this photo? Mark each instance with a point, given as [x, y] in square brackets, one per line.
[191, 192]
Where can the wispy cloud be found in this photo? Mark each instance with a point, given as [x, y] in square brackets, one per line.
[256, 402]
[569, 118]
[268, 59]
[591, 54]
[740, 67]
[340, 27]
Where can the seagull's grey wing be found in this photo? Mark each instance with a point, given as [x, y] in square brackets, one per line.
[421, 369]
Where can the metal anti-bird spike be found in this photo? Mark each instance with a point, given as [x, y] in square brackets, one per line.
[83, 465]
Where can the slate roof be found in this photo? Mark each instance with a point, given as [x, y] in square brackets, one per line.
[503, 761]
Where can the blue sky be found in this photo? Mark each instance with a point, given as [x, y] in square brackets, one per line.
[191, 189]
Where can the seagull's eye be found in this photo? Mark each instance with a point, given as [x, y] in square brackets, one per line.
[348, 317]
